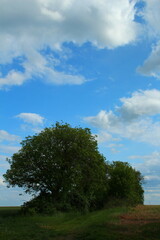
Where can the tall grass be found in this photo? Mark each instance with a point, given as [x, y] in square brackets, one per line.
[113, 224]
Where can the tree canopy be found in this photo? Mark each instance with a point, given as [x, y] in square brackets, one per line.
[61, 162]
[125, 182]
[62, 166]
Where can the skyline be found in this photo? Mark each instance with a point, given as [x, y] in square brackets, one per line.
[89, 63]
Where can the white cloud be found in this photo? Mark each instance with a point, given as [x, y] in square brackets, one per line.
[134, 120]
[115, 147]
[3, 163]
[3, 158]
[149, 166]
[7, 146]
[151, 66]
[2, 181]
[15, 197]
[6, 149]
[111, 145]
[150, 177]
[104, 137]
[13, 78]
[27, 27]
[5, 136]
[114, 150]
[151, 163]
[153, 190]
[151, 198]
[151, 16]
[31, 118]
[140, 104]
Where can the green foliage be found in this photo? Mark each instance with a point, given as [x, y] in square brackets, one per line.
[63, 163]
[64, 170]
[125, 183]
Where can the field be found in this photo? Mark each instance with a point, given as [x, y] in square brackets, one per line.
[142, 222]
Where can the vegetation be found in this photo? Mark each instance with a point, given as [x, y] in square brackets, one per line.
[63, 165]
[64, 170]
[140, 223]
[125, 183]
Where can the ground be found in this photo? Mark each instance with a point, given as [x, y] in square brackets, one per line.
[123, 223]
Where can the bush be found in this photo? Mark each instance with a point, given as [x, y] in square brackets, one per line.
[125, 183]
[40, 204]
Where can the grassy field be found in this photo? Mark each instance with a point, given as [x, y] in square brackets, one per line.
[142, 222]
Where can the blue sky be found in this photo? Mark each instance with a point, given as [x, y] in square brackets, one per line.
[90, 63]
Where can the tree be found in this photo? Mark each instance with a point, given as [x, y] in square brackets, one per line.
[125, 183]
[62, 164]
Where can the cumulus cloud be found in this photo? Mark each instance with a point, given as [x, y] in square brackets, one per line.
[151, 163]
[151, 66]
[150, 167]
[31, 118]
[104, 137]
[7, 149]
[134, 119]
[5, 136]
[151, 16]
[140, 104]
[29, 27]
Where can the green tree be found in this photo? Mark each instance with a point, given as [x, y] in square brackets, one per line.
[62, 164]
[125, 183]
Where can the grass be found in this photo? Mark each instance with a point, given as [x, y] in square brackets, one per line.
[140, 223]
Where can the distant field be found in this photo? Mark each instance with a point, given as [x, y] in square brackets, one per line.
[142, 222]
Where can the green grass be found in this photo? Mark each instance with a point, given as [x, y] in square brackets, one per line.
[108, 224]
